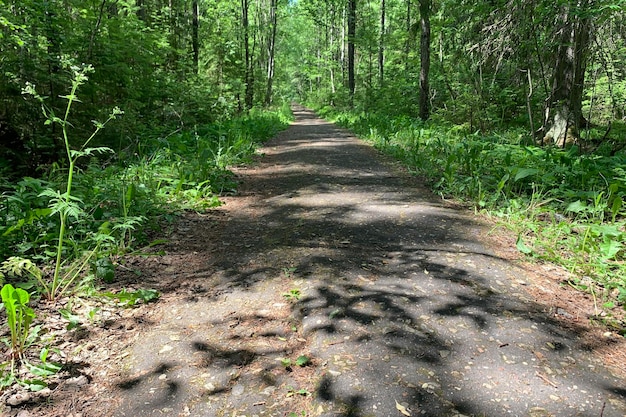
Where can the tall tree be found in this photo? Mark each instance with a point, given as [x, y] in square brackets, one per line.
[407, 42]
[271, 50]
[424, 98]
[381, 45]
[195, 42]
[564, 113]
[249, 70]
[351, 40]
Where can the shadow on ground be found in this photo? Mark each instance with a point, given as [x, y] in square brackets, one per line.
[332, 252]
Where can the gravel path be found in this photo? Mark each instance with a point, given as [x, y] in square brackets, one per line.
[332, 254]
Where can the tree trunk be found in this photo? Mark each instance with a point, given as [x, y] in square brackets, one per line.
[54, 54]
[195, 44]
[351, 36]
[381, 45]
[334, 55]
[94, 32]
[174, 45]
[271, 51]
[249, 94]
[424, 105]
[564, 113]
[407, 45]
[141, 9]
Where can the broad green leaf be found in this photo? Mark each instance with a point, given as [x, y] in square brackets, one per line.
[521, 246]
[44, 369]
[610, 248]
[606, 230]
[525, 172]
[105, 270]
[503, 181]
[577, 206]
[33, 384]
[303, 360]
[616, 206]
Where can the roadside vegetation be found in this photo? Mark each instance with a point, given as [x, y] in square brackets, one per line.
[63, 233]
[564, 205]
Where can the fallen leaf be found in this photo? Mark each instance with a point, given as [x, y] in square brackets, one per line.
[402, 409]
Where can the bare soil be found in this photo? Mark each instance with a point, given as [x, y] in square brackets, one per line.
[395, 302]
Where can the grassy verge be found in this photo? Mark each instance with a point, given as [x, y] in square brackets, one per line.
[564, 206]
[122, 197]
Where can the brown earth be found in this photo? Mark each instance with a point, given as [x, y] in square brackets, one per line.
[396, 302]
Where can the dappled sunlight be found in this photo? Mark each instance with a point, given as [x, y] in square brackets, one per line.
[329, 253]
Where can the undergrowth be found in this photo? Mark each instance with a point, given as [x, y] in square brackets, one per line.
[122, 197]
[564, 206]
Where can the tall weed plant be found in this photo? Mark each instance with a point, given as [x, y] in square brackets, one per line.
[65, 204]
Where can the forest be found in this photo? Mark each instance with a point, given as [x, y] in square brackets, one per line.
[118, 115]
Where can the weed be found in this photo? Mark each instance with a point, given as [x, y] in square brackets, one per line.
[286, 363]
[294, 294]
[73, 320]
[45, 368]
[289, 271]
[16, 267]
[19, 319]
[130, 298]
[105, 270]
[301, 361]
[65, 204]
[302, 392]
[110, 207]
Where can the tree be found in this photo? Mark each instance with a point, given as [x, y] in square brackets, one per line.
[381, 45]
[195, 43]
[564, 112]
[424, 107]
[271, 50]
[248, 69]
[351, 40]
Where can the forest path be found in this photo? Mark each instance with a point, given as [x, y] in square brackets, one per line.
[332, 254]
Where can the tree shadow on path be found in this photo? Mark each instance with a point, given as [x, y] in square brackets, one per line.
[402, 307]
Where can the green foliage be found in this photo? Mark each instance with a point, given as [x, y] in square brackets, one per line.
[66, 205]
[302, 392]
[301, 361]
[19, 319]
[111, 207]
[564, 206]
[294, 294]
[73, 320]
[105, 270]
[127, 298]
[45, 368]
[18, 268]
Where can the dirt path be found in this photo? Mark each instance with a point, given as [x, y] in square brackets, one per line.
[333, 255]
